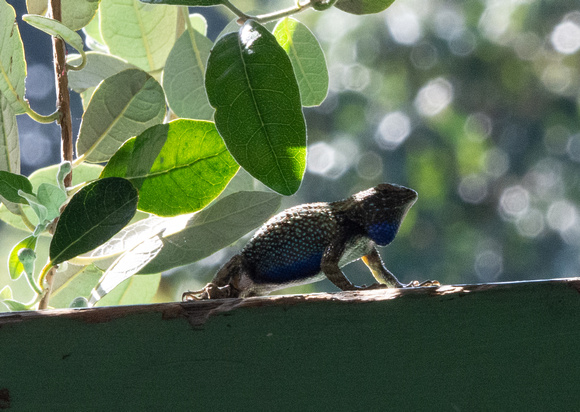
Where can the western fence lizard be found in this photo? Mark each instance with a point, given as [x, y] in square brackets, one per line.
[307, 242]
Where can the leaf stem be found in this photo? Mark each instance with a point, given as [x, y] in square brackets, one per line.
[25, 219]
[47, 276]
[264, 18]
[40, 118]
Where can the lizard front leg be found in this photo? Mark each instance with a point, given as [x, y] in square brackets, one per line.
[380, 272]
[329, 266]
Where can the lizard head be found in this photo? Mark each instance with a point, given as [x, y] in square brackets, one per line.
[381, 209]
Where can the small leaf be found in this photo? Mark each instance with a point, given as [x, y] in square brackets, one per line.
[126, 265]
[5, 293]
[135, 290]
[15, 266]
[99, 67]
[122, 107]
[12, 63]
[79, 302]
[183, 76]
[27, 257]
[55, 28]
[178, 167]
[363, 6]
[52, 198]
[14, 305]
[11, 183]
[307, 60]
[139, 33]
[94, 214]
[63, 170]
[258, 114]
[212, 229]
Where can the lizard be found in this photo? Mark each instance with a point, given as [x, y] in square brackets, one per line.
[305, 243]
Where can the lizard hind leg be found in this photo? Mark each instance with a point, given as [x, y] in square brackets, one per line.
[225, 283]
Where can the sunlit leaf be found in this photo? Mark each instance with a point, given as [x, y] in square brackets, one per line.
[135, 290]
[307, 60]
[15, 266]
[121, 107]
[12, 63]
[183, 76]
[140, 33]
[202, 3]
[75, 281]
[128, 264]
[9, 145]
[93, 215]
[363, 6]
[55, 28]
[178, 167]
[212, 229]
[258, 113]
[75, 13]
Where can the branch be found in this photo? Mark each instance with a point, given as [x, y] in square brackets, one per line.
[62, 94]
[264, 18]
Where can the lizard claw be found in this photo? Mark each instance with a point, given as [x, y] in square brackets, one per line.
[426, 283]
[210, 291]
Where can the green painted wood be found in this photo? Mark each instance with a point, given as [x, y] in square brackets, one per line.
[479, 347]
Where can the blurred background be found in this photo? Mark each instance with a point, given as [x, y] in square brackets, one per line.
[474, 104]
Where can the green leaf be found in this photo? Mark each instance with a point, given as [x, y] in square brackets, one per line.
[9, 145]
[135, 290]
[251, 84]
[122, 107]
[179, 167]
[15, 266]
[199, 23]
[363, 6]
[307, 60]
[128, 264]
[93, 37]
[74, 281]
[52, 197]
[212, 229]
[11, 183]
[183, 76]
[83, 173]
[201, 3]
[76, 14]
[99, 67]
[5, 293]
[94, 214]
[14, 305]
[55, 28]
[12, 63]
[139, 33]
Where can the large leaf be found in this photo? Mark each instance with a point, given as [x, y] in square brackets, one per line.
[363, 6]
[76, 14]
[251, 84]
[212, 229]
[183, 76]
[140, 33]
[307, 59]
[122, 106]
[178, 167]
[9, 146]
[94, 214]
[55, 28]
[82, 173]
[99, 67]
[135, 290]
[12, 63]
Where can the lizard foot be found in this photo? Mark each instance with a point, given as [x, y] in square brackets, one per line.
[210, 291]
[426, 283]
